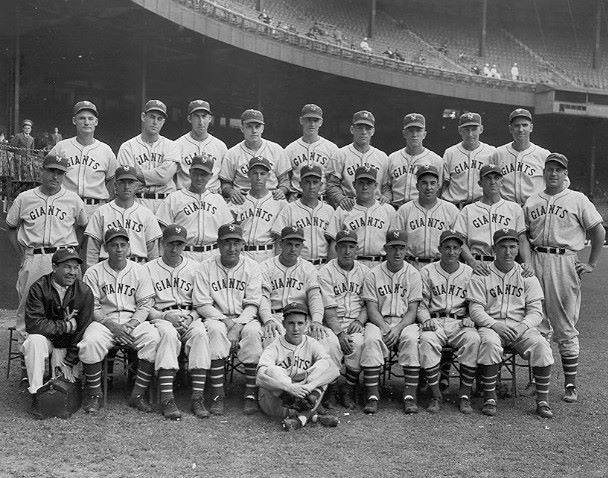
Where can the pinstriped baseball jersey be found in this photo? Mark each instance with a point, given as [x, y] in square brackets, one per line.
[88, 167]
[284, 285]
[401, 175]
[461, 167]
[236, 164]
[424, 226]
[342, 289]
[313, 221]
[118, 294]
[445, 292]
[257, 217]
[295, 359]
[172, 285]
[371, 224]
[479, 221]
[155, 160]
[46, 221]
[211, 148]
[200, 214]
[349, 159]
[299, 153]
[522, 171]
[138, 220]
[229, 290]
[561, 220]
[393, 291]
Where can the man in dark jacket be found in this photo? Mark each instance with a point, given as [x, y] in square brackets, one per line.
[58, 309]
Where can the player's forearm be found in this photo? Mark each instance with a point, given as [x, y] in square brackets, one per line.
[208, 312]
[410, 315]
[272, 382]
[160, 175]
[466, 255]
[325, 372]
[155, 314]
[534, 314]
[598, 236]
[423, 313]
[330, 319]
[93, 248]
[374, 316]
[387, 192]
[264, 310]
[315, 305]
[143, 310]
[110, 186]
[524, 249]
[152, 250]
[362, 315]
[478, 315]
[283, 183]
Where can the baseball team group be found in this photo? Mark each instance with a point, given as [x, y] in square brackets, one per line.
[301, 263]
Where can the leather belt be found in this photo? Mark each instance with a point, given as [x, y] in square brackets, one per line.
[263, 247]
[179, 307]
[370, 258]
[319, 261]
[423, 260]
[441, 315]
[549, 250]
[277, 311]
[91, 201]
[151, 195]
[483, 258]
[209, 247]
[49, 250]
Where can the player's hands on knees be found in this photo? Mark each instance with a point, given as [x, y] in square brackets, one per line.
[355, 327]
[527, 270]
[467, 322]
[317, 331]
[234, 335]
[346, 343]
[430, 324]
[504, 331]
[583, 268]
[480, 268]
[390, 337]
[173, 316]
[271, 329]
[121, 333]
[347, 203]
[278, 194]
[297, 390]
[236, 196]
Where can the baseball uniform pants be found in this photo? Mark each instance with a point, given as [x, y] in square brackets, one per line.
[465, 340]
[250, 344]
[375, 350]
[196, 345]
[530, 345]
[33, 268]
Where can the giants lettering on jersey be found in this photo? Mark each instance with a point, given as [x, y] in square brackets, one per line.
[49, 211]
[172, 283]
[314, 157]
[152, 158]
[289, 282]
[350, 170]
[507, 290]
[427, 222]
[206, 156]
[389, 289]
[346, 287]
[452, 290]
[462, 167]
[518, 167]
[559, 211]
[230, 283]
[193, 207]
[362, 222]
[312, 221]
[124, 289]
[85, 160]
[296, 362]
[255, 212]
[494, 218]
[129, 224]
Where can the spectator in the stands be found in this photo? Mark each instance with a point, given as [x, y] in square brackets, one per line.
[443, 48]
[514, 72]
[389, 53]
[265, 17]
[364, 45]
[398, 56]
[475, 69]
[486, 69]
[338, 36]
[494, 72]
[56, 136]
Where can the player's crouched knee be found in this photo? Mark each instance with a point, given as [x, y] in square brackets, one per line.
[541, 354]
[166, 330]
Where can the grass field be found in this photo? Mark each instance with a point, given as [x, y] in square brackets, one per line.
[122, 442]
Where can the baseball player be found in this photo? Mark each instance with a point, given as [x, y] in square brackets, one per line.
[310, 214]
[559, 220]
[341, 171]
[478, 221]
[294, 372]
[341, 281]
[24, 140]
[227, 293]
[310, 149]
[425, 218]
[392, 293]
[199, 142]
[178, 322]
[40, 221]
[507, 308]
[233, 173]
[369, 218]
[123, 211]
[58, 309]
[443, 318]
[463, 161]
[400, 180]
[91, 163]
[123, 295]
[259, 212]
[153, 155]
[198, 210]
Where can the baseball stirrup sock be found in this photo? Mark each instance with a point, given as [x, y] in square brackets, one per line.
[411, 378]
[570, 364]
[371, 380]
[467, 375]
[351, 376]
[542, 375]
[250, 387]
[199, 378]
[145, 371]
[489, 374]
[432, 379]
[165, 384]
[446, 365]
[216, 377]
[92, 373]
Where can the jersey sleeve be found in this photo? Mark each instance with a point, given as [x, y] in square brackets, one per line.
[112, 164]
[399, 219]
[460, 224]
[224, 215]
[327, 290]
[336, 165]
[476, 292]
[200, 294]
[533, 290]
[312, 281]
[90, 279]
[152, 230]
[589, 216]
[452, 214]
[269, 355]
[124, 156]
[282, 165]
[81, 217]
[164, 214]
[253, 289]
[415, 286]
[317, 351]
[95, 226]
[228, 165]
[519, 221]
[13, 217]
[281, 221]
[145, 289]
[369, 288]
[335, 224]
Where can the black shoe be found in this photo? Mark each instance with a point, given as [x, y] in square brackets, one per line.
[570, 394]
[198, 408]
[544, 410]
[434, 406]
[290, 424]
[170, 410]
[409, 405]
[33, 411]
[91, 403]
[251, 405]
[489, 407]
[140, 403]
[327, 420]
[465, 405]
[217, 406]
[371, 405]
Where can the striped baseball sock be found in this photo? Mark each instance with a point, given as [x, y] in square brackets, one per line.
[489, 374]
[351, 376]
[313, 397]
[250, 387]
[216, 377]
[446, 366]
[165, 384]
[542, 375]
[467, 375]
[92, 373]
[371, 380]
[199, 378]
[411, 377]
[145, 371]
[432, 379]
[570, 364]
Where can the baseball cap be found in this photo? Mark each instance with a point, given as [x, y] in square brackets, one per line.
[364, 117]
[28, 122]
[66, 254]
[230, 231]
[504, 234]
[469, 119]
[427, 169]
[292, 232]
[366, 171]
[294, 308]
[311, 111]
[310, 170]
[203, 163]
[520, 113]
[346, 235]
[558, 158]
[414, 119]
[447, 235]
[396, 237]
[85, 105]
[156, 105]
[252, 116]
[113, 232]
[126, 172]
[55, 162]
[260, 161]
[489, 168]
[198, 105]
[174, 232]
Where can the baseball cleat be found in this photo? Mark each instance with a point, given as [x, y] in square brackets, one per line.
[198, 408]
[570, 394]
[250, 406]
[409, 405]
[92, 403]
[465, 405]
[327, 420]
[140, 403]
[217, 406]
[371, 405]
[170, 410]
[290, 424]
[543, 410]
[33, 411]
[434, 405]
[489, 407]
